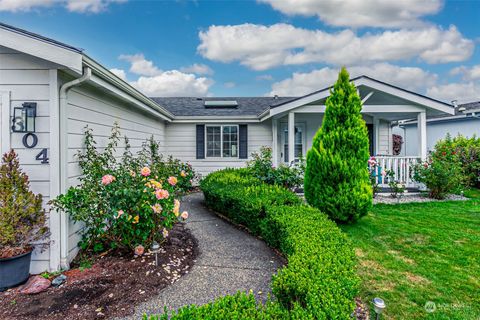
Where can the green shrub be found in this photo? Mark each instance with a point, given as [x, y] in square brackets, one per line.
[22, 218]
[440, 176]
[261, 167]
[337, 178]
[124, 202]
[464, 150]
[319, 281]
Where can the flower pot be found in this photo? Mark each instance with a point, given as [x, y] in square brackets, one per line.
[14, 270]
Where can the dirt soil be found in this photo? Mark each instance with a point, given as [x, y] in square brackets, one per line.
[111, 287]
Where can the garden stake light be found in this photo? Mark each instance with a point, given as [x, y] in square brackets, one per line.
[155, 247]
[379, 306]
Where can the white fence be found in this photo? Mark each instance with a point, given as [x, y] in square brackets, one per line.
[402, 168]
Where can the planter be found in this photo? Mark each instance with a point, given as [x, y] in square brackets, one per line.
[14, 270]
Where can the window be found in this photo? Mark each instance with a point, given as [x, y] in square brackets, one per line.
[222, 141]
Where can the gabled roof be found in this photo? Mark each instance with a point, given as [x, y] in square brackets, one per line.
[195, 106]
[415, 98]
[468, 109]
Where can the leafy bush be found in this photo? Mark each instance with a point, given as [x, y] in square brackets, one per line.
[464, 150]
[440, 176]
[336, 177]
[261, 167]
[397, 188]
[124, 202]
[320, 280]
[22, 218]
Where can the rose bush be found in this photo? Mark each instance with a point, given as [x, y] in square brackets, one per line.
[128, 201]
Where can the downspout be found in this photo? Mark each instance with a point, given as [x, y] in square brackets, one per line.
[87, 74]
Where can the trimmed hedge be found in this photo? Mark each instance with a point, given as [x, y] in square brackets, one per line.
[320, 280]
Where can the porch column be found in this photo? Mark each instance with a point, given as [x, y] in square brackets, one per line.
[274, 142]
[422, 134]
[376, 136]
[291, 136]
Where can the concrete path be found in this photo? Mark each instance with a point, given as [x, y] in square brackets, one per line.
[229, 260]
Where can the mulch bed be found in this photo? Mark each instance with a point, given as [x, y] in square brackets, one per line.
[111, 287]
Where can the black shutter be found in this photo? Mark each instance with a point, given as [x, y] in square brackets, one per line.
[200, 141]
[243, 139]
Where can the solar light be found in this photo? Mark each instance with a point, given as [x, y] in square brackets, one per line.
[155, 248]
[379, 306]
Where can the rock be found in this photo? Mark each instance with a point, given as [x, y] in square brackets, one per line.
[58, 281]
[139, 250]
[35, 284]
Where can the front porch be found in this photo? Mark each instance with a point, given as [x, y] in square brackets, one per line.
[383, 106]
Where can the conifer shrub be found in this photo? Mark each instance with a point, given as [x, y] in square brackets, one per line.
[22, 217]
[336, 177]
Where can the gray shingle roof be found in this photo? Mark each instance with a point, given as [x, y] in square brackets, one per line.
[192, 106]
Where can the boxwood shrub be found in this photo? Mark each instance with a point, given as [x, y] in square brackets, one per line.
[320, 280]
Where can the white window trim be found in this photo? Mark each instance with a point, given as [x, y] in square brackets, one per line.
[221, 140]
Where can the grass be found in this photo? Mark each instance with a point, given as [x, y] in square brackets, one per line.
[410, 254]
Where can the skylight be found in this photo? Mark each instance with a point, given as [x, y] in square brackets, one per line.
[220, 104]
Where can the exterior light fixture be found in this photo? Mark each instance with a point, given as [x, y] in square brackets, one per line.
[24, 117]
[155, 248]
[379, 306]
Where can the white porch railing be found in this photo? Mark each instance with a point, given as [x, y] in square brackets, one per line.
[402, 168]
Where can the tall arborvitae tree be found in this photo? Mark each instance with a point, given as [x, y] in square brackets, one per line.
[336, 177]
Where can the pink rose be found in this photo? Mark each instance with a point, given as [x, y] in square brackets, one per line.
[184, 215]
[162, 194]
[145, 171]
[107, 179]
[157, 208]
[172, 181]
[119, 214]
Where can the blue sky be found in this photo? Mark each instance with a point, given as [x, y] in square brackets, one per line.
[255, 48]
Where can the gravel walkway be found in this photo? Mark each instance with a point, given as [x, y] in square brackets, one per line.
[230, 260]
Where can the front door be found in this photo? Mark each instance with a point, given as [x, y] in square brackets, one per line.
[299, 141]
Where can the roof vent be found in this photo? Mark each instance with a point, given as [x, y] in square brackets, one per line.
[220, 104]
[199, 99]
[275, 97]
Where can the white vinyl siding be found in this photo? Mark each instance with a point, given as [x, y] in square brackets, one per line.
[26, 79]
[89, 107]
[384, 138]
[181, 144]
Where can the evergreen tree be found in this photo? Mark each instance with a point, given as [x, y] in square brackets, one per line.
[336, 177]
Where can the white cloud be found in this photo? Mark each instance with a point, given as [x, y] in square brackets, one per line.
[361, 13]
[264, 77]
[141, 66]
[198, 68]
[93, 6]
[229, 85]
[462, 92]
[468, 73]
[158, 83]
[81, 6]
[173, 83]
[262, 47]
[119, 73]
[410, 78]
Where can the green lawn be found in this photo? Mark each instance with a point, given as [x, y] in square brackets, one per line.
[413, 253]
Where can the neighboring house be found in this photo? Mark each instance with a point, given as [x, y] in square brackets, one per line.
[465, 121]
[70, 90]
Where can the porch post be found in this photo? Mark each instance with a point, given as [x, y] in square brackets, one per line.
[376, 136]
[274, 142]
[422, 134]
[291, 136]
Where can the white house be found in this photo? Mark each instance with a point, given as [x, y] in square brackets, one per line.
[70, 90]
[465, 121]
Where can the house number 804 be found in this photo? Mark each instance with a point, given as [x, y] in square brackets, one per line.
[30, 140]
